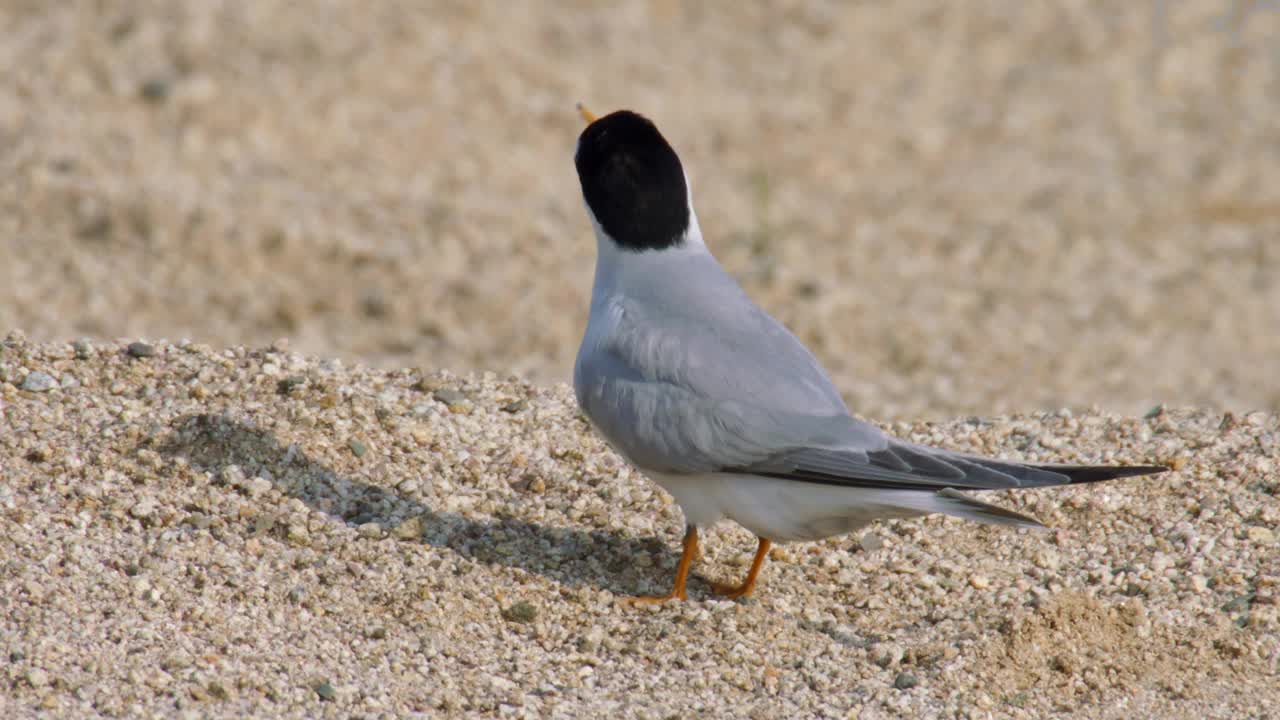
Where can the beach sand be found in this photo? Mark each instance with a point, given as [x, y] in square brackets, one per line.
[295, 288]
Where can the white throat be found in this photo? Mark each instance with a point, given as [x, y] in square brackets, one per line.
[611, 259]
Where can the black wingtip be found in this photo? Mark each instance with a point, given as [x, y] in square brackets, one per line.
[1079, 474]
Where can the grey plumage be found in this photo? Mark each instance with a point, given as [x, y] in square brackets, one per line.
[723, 406]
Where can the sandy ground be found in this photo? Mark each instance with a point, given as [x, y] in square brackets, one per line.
[229, 532]
[967, 210]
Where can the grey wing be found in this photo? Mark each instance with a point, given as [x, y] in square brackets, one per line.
[906, 466]
[667, 427]
[725, 396]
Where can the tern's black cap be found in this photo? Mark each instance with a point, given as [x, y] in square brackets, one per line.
[633, 182]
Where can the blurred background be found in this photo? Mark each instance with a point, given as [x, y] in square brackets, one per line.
[963, 208]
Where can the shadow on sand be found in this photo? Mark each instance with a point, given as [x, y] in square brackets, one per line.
[568, 556]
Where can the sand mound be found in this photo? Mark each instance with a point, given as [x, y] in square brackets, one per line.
[222, 532]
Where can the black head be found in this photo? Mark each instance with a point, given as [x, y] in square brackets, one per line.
[633, 182]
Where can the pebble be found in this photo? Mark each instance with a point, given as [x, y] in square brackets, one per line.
[143, 509]
[326, 691]
[298, 534]
[259, 486]
[154, 90]
[140, 350]
[521, 612]
[83, 348]
[980, 582]
[450, 397]
[1047, 560]
[410, 528]
[357, 448]
[370, 530]
[39, 382]
[1260, 535]
[905, 681]
[37, 678]
[590, 642]
[870, 542]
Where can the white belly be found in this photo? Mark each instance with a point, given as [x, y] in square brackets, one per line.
[788, 510]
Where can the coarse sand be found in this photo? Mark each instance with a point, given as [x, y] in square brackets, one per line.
[1036, 230]
[230, 532]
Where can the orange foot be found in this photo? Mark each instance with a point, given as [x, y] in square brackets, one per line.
[733, 592]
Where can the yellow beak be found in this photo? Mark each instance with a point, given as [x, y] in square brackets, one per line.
[586, 114]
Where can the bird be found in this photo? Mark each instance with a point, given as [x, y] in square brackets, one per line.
[718, 403]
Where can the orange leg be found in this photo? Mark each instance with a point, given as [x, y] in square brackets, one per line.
[733, 592]
[682, 571]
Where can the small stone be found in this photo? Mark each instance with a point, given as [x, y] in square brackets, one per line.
[1047, 560]
[39, 382]
[1260, 535]
[16, 656]
[298, 534]
[410, 529]
[155, 90]
[980, 582]
[521, 612]
[259, 486]
[38, 454]
[326, 692]
[1239, 603]
[37, 678]
[218, 691]
[357, 448]
[1155, 412]
[263, 525]
[590, 642]
[426, 383]
[870, 542]
[449, 397]
[515, 406]
[370, 530]
[905, 681]
[143, 509]
[1160, 562]
[83, 348]
[291, 383]
[378, 633]
[140, 350]
[502, 685]
[530, 483]
[1199, 583]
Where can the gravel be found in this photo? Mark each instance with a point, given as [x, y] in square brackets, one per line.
[39, 382]
[981, 211]
[197, 543]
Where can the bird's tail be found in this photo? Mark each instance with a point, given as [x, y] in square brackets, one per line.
[957, 504]
[954, 502]
[1076, 474]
